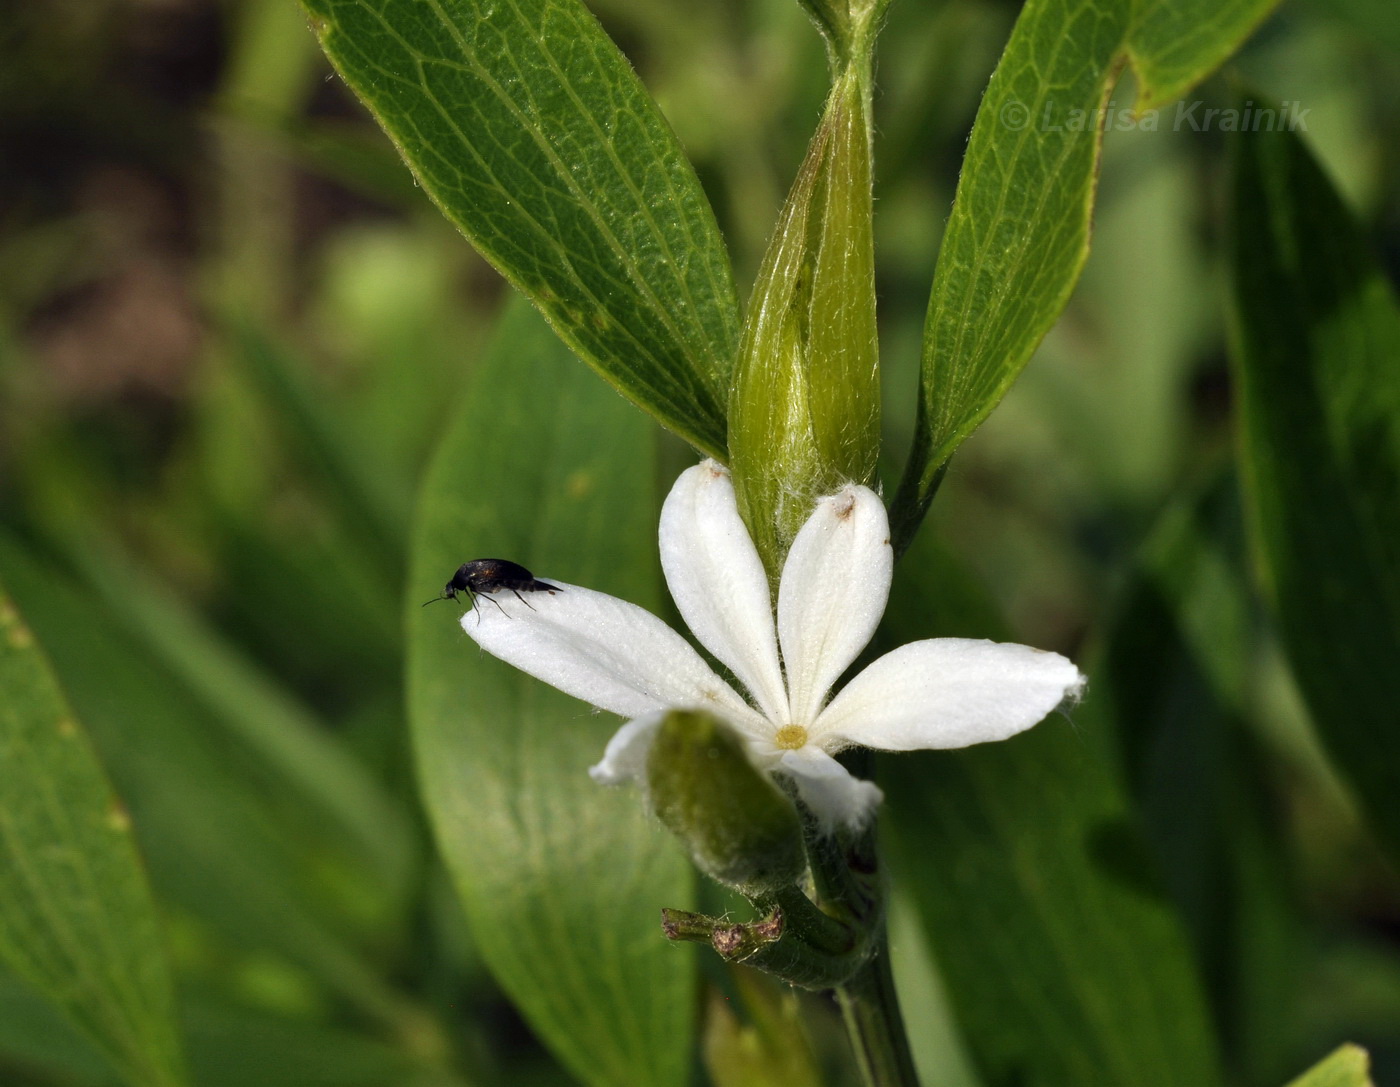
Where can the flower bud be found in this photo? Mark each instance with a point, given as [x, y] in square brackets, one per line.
[804, 410]
[738, 826]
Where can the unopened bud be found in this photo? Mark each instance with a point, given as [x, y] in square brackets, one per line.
[738, 826]
[804, 408]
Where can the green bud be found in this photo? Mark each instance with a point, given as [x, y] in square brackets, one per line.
[804, 410]
[739, 827]
[845, 23]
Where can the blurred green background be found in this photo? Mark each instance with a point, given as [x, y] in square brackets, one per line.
[231, 331]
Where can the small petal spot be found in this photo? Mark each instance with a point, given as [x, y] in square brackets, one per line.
[791, 737]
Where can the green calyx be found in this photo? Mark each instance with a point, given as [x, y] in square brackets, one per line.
[804, 409]
[739, 828]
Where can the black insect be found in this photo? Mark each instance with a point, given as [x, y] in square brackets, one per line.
[486, 576]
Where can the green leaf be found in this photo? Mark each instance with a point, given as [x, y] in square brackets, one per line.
[223, 839]
[36, 1036]
[1316, 344]
[1172, 679]
[1019, 231]
[1347, 1066]
[755, 1037]
[357, 494]
[1064, 962]
[230, 1046]
[938, 1046]
[534, 136]
[76, 916]
[264, 716]
[805, 408]
[1373, 19]
[561, 879]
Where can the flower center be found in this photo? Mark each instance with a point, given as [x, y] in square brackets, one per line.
[791, 737]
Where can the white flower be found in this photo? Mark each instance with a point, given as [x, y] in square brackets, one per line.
[942, 693]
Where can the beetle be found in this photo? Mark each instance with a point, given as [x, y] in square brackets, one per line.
[491, 575]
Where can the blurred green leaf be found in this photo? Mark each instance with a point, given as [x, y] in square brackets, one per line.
[227, 1046]
[1316, 344]
[1355, 993]
[1348, 1066]
[561, 880]
[262, 714]
[1064, 962]
[1153, 693]
[341, 149]
[38, 1040]
[76, 916]
[938, 1046]
[756, 1037]
[1171, 681]
[223, 839]
[233, 1047]
[371, 510]
[1019, 231]
[534, 136]
[805, 408]
[1373, 19]
[308, 600]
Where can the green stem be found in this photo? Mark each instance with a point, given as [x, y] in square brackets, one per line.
[846, 872]
[871, 1010]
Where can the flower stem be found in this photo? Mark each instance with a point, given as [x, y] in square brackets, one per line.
[871, 1010]
[846, 871]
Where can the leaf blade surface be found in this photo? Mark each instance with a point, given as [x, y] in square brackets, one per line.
[534, 136]
[561, 879]
[76, 914]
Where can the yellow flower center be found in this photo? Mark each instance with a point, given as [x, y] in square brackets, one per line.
[791, 737]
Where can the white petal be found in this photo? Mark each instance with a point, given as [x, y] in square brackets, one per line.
[947, 692]
[718, 583]
[625, 757]
[835, 796]
[833, 591]
[603, 650]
